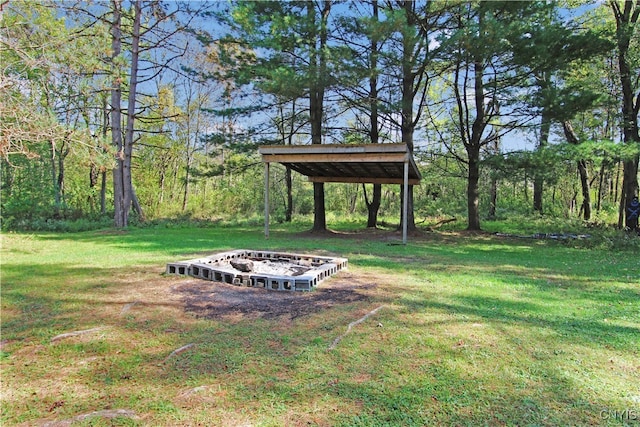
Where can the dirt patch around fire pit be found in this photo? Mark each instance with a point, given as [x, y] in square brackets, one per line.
[215, 300]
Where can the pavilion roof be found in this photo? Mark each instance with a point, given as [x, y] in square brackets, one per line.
[362, 163]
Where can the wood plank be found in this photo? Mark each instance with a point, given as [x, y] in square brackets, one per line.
[336, 157]
[362, 180]
[375, 163]
[333, 149]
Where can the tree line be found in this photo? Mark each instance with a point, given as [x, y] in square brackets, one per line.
[155, 109]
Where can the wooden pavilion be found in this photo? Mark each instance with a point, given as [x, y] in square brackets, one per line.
[362, 163]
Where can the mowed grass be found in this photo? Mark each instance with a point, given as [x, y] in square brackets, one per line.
[474, 330]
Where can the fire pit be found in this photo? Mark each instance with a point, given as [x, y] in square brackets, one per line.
[261, 269]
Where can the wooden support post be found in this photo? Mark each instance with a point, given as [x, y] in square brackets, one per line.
[405, 203]
[266, 200]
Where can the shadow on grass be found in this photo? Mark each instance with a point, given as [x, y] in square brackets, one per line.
[594, 330]
[452, 399]
[34, 316]
[437, 384]
[529, 382]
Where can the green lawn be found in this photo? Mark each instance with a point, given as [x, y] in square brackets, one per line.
[474, 330]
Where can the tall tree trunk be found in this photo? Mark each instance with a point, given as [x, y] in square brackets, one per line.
[192, 135]
[471, 133]
[116, 117]
[162, 180]
[493, 198]
[545, 127]
[128, 191]
[601, 183]
[407, 125]
[629, 186]
[185, 195]
[586, 194]
[288, 215]
[174, 181]
[316, 100]
[94, 175]
[626, 19]
[572, 138]
[493, 191]
[374, 206]
[616, 187]
[319, 216]
[62, 155]
[473, 190]
[288, 179]
[103, 171]
[474, 144]
[103, 193]
[187, 178]
[54, 175]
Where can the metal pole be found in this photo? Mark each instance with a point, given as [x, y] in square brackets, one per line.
[266, 200]
[405, 202]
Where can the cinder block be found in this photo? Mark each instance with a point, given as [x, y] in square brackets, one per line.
[281, 283]
[205, 273]
[215, 268]
[275, 284]
[201, 271]
[242, 280]
[259, 281]
[178, 268]
[304, 283]
[194, 271]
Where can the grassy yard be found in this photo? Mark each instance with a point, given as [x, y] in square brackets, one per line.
[473, 330]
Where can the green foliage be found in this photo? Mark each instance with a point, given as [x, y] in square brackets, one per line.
[73, 224]
[28, 195]
[26, 190]
[196, 155]
[551, 161]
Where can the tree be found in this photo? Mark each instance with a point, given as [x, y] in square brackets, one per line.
[318, 34]
[365, 37]
[47, 91]
[76, 75]
[626, 17]
[473, 58]
[121, 193]
[288, 124]
[153, 25]
[572, 138]
[416, 24]
[552, 54]
[486, 76]
[578, 95]
[288, 34]
[25, 121]
[374, 132]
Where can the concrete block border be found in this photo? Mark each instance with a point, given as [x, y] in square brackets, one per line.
[216, 268]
